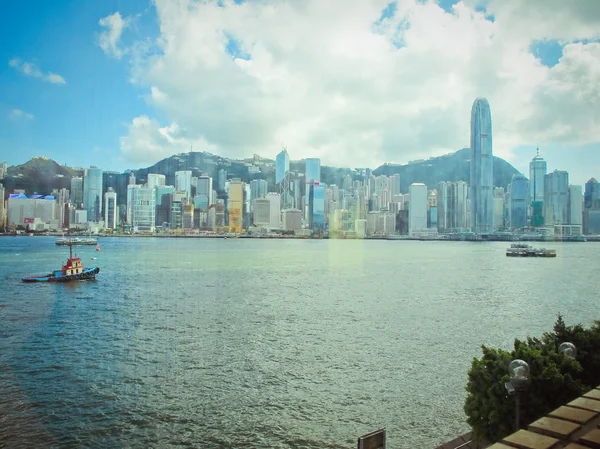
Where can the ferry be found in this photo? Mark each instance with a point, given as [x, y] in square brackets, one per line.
[73, 270]
[525, 250]
[67, 241]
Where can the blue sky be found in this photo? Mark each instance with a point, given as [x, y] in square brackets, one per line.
[77, 123]
[81, 122]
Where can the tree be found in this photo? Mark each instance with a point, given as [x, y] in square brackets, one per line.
[555, 379]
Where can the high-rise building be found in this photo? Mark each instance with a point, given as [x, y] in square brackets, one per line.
[316, 206]
[262, 212]
[291, 220]
[110, 209]
[556, 198]
[131, 181]
[92, 193]
[275, 210]
[3, 170]
[482, 168]
[163, 204]
[141, 208]
[456, 207]
[312, 173]
[592, 194]
[519, 196]
[236, 205]
[204, 191]
[537, 170]
[221, 179]
[258, 188]
[183, 182]
[395, 184]
[156, 180]
[2, 209]
[77, 192]
[575, 211]
[417, 213]
[443, 206]
[282, 166]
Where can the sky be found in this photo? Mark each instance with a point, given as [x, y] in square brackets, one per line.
[123, 84]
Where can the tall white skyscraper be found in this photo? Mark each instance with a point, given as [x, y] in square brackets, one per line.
[156, 180]
[141, 208]
[482, 168]
[537, 170]
[417, 213]
[395, 184]
[556, 198]
[110, 209]
[183, 181]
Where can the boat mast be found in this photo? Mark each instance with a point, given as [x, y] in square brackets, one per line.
[70, 250]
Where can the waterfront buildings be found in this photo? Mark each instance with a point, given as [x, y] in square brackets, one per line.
[482, 168]
[417, 214]
[183, 182]
[556, 198]
[236, 205]
[77, 192]
[519, 196]
[292, 220]
[262, 212]
[591, 212]
[34, 212]
[592, 194]
[92, 193]
[110, 209]
[163, 203]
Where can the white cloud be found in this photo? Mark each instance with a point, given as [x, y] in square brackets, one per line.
[329, 81]
[147, 142]
[109, 38]
[30, 69]
[17, 114]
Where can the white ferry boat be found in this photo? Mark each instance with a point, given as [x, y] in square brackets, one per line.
[525, 250]
[75, 241]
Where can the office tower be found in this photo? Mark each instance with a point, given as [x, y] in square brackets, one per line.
[519, 196]
[282, 166]
[482, 168]
[443, 207]
[163, 204]
[395, 184]
[155, 180]
[183, 182]
[23, 211]
[347, 184]
[316, 206]
[3, 170]
[457, 212]
[258, 189]
[417, 214]
[556, 198]
[236, 205]
[92, 193]
[291, 220]
[498, 208]
[110, 209]
[262, 212]
[131, 181]
[275, 210]
[312, 173]
[204, 190]
[77, 192]
[592, 194]
[2, 209]
[537, 170]
[141, 208]
[221, 179]
[575, 211]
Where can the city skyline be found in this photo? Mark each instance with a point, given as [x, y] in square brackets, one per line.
[110, 86]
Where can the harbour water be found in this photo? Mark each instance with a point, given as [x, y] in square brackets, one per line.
[265, 343]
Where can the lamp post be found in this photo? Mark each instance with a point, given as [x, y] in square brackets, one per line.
[518, 370]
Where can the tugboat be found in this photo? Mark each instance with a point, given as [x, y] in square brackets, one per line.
[525, 250]
[73, 270]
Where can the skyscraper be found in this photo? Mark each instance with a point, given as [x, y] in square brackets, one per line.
[2, 209]
[556, 198]
[482, 168]
[282, 165]
[77, 192]
[155, 180]
[236, 205]
[92, 193]
[110, 209]
[518, 201]
[316, 206]
[417, 211]
[592, 194]
[203, 198]
[537, 170]
[312, 173]
[183, 181]
[575, 205]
